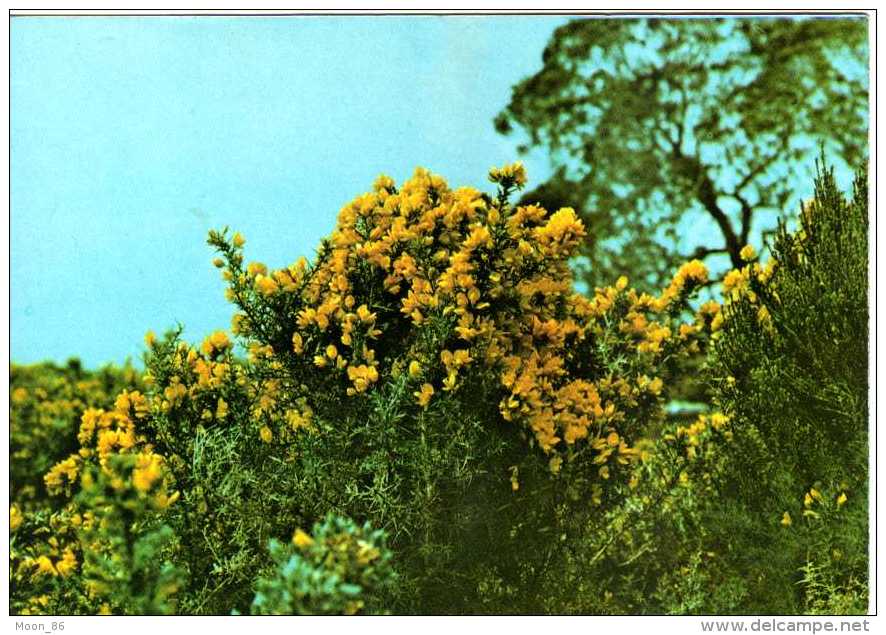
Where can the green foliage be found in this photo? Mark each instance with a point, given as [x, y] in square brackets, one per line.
[798, 386]
[126, 550]
[339, 570]
[657, 124]
[765, 512]
[792, 362]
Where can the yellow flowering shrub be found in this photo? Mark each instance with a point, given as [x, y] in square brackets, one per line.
[447, 364]
[445, 286]
[81, 531]
[432, 363]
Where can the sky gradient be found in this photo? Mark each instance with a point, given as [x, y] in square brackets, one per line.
[132, 137]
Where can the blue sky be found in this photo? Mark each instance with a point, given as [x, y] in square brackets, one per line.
[132, 137]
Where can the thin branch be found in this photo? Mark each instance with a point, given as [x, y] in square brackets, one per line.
[704, 252]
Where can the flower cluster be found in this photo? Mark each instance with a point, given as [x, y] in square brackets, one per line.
[443, 286]
[45, 406]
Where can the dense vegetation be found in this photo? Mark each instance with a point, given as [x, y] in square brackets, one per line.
[428, 418]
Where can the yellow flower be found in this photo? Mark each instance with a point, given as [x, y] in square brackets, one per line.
[424, 395]
[150, 339]
[331, 351]
[217, 342]
[221, 410]
[15, 518]
[266, 285]
[513, 174]
[238, 239]
[733, 280]
[414, 369]
[694, 270]
[45, 566]
[786, 520]
[254, 269]
[554, 464]
[747, 253]
[841, 499]
[148, 469]
[266, 434]
[364, 314]
[67, 564]
[302, 539]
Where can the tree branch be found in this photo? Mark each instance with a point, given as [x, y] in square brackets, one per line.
[703, 252]
[706, 193]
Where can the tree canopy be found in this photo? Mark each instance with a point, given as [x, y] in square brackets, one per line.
[684, 138]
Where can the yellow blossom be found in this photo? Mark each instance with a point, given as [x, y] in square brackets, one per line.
[45, 566]
[424, 395]
[217, 342]
[68, 564]
[148, 469]
[655, 386]
[15, 518]
[302, 539]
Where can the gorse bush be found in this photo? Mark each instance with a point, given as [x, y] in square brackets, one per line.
[794, 349]
[791, 355]
[438, 344]
[432, 370]
[761, 509]
[461, 429]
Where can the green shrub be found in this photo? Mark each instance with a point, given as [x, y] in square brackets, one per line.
[793, 361]
[339, 569]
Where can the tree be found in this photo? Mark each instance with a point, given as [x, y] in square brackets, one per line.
[659, 128]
